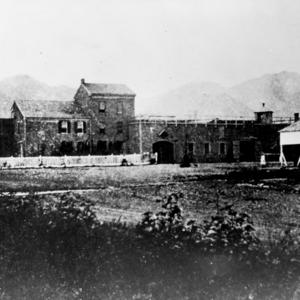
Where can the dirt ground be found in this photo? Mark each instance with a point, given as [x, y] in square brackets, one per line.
[125, 193]
[98, 177]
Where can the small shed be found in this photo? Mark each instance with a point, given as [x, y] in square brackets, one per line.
[290, 144]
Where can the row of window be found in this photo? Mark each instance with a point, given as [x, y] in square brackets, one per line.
[207, 148]
[81, 127]
[65, 127]
[119, 107]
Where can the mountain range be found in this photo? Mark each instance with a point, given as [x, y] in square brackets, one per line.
[280, 92]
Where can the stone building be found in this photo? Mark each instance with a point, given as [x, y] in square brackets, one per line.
[214, 141]
[110, 107]
[49, 128]
[96, 122]
[101, 120]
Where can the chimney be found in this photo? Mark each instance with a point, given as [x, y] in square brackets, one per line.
[82, 81]
[296, 117]
[263, 104]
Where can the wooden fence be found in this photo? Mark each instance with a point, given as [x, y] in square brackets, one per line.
[73, 161]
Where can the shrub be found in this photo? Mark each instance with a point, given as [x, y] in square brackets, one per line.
[227, 230]
[60, 250]
[230, 230]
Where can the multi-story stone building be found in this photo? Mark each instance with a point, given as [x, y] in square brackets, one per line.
[101, 120]
[110, 108]
[96, 122]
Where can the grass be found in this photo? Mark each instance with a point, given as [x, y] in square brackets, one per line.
[60, 251]
[54, 247]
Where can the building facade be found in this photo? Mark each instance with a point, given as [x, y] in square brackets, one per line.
[110, 108]
[49, 128]
[101, 120]
[216, 141]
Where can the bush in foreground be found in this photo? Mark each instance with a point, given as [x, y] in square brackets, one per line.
[60, 250]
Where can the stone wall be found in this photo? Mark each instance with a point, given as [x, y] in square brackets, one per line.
[43, 137]
[6, 137]
[207, 142]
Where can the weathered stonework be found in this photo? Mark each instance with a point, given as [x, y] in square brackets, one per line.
[40, 136]
[241, 142]
[6, 137]
[114, 123]
[43, 137]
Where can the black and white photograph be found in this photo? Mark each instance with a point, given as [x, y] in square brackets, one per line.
[150, 150]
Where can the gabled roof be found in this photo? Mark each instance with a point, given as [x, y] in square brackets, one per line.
[108, 89]
[293, 127]
[48, 109]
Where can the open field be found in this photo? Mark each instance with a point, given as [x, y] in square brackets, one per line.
[52, 248]
[98, 177]
[125, 193]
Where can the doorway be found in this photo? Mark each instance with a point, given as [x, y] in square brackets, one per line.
[165, 152]
[247, 150]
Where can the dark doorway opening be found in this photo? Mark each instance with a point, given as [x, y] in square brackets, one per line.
[42, 149]
[66, 148]
[117, 147]
[165, 152]
[82, 148]
[292, 153]
[102, 147]
[247, 150]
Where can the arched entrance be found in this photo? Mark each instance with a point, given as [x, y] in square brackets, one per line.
[165, 152]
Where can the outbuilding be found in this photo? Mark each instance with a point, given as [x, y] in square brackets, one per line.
[290, 144]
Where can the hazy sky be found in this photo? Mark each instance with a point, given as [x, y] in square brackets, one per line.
[151, 45]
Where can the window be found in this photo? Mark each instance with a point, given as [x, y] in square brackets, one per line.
[206, 148]
[80, 127]
[119, 127]
[64, 127]
[119, 108]
[102, 106]
[222, 148]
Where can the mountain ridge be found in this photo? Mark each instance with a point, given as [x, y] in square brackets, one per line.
[280, 91]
